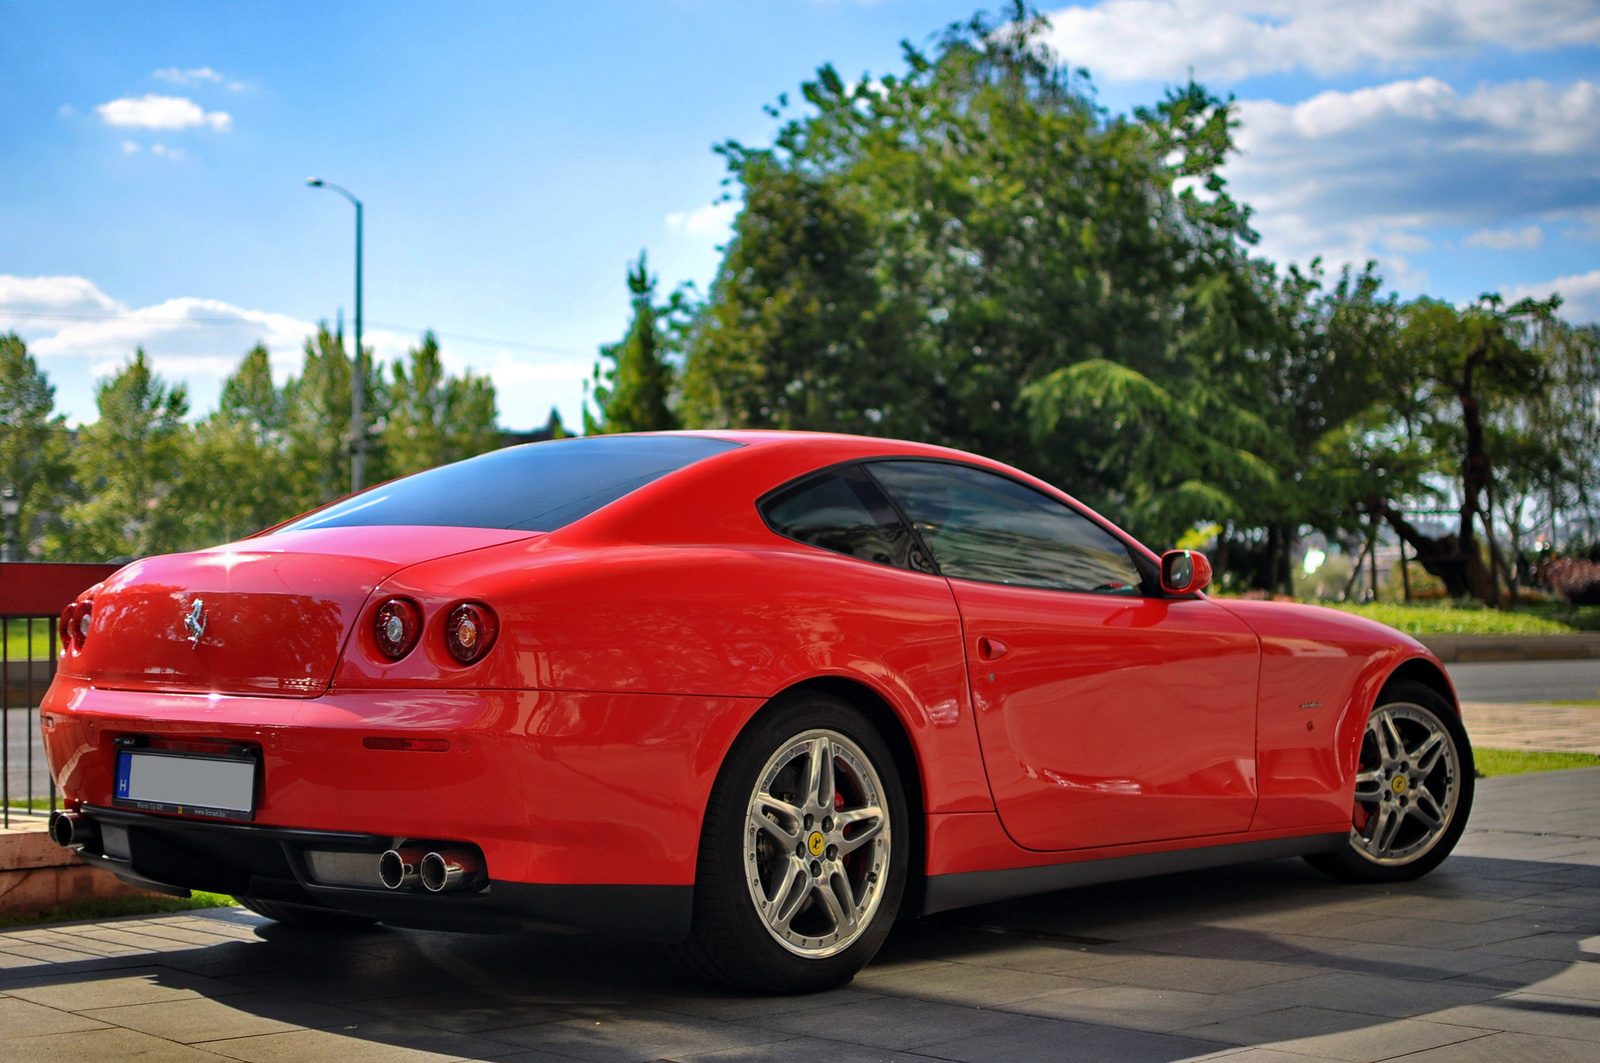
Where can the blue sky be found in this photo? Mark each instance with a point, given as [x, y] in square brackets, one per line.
[513, 158]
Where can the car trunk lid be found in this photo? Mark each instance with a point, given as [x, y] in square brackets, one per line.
[268, 615]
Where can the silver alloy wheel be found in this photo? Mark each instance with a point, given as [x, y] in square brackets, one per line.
[1407, 785]
[816, 844]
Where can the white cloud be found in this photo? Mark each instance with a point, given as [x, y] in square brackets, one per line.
[1580, 295]
[166, 152]
[713, 221]
[1349, 175]
[66, 110]
[79, 334]
[152, 111]
[1525, 239]
[188, 77]
[1233, 39]
[130, 147]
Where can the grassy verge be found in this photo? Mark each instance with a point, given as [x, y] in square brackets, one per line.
[1450, 619]
[112, 907]
[1517, 761]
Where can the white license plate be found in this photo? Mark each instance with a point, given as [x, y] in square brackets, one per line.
[221, 787]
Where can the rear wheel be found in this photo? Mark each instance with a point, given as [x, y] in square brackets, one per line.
[1414, 786]
[803, 854]
[307, 918]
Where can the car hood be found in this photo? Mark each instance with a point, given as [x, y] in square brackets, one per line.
[273, 612]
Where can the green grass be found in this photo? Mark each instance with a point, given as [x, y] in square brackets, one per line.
[17, 640]
[1461, 620]
[1517, 761]
[112, 907]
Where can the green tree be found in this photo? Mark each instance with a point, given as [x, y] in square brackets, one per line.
[434, 418]
[127, 465]
[237, 477]
[633, 393]
[33, 441]
[920, 254]
[317, 421]
[1454, 369]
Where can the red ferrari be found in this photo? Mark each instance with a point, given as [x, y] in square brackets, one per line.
[757, 693]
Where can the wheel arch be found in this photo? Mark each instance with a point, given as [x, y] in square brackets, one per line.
[1430, 674]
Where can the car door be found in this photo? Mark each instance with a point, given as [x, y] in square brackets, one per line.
[1108, 714]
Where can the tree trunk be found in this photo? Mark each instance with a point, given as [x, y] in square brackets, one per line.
[1461, 569]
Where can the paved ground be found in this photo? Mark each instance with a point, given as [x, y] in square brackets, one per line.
[1496, 956]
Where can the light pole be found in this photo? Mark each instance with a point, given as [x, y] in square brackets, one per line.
[358, 379]
[10, 506]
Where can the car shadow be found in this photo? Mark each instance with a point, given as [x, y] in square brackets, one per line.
[1158, 969]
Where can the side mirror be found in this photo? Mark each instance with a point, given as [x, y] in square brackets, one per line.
[1184, 571]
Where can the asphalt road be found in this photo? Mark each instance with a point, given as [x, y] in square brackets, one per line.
[1527, 681]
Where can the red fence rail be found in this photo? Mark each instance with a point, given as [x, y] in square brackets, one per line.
[32, 597]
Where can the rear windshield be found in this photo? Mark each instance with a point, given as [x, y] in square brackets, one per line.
[534, 487]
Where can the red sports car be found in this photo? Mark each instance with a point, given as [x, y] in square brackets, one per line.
[754, 692]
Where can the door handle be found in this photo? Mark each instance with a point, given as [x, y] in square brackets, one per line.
[992, 649]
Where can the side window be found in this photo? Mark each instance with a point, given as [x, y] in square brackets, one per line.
[844, 511]
[983, 526]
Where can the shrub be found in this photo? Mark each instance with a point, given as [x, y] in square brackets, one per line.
[1576, 580]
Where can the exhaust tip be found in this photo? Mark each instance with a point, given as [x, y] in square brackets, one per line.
[61, 828]
[398, 868]
[447, 870]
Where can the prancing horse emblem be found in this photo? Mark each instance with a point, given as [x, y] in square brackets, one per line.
[195, 622]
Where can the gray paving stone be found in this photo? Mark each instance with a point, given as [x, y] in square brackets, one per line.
[1029, 1038]
[101, 1046]
[636, 1034]
[1511, 1048]
[884, 1022]
[24, 1016]
[194, 1019]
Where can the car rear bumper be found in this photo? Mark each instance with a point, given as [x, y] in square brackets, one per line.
[174, 854]
[583, 806]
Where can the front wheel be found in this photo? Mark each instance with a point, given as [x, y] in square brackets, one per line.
[1414, 786]
[803, 854]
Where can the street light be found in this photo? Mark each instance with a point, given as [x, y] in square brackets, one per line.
[358, 379]
[10, 506]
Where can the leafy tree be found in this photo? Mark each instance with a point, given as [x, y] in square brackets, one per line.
[317, 420]
[932, 253]
[128, 464]
[434, 418]
[1454, 368]
[237, 478]
[632, 394]
[33, 440]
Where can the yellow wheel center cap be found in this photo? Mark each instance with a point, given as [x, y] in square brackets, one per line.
[1399, 784]
[816, 843]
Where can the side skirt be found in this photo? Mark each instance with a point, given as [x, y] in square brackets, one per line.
[959, 890]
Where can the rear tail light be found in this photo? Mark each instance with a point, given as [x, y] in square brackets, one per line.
[74, 626]
[395, 626]
[469, 631]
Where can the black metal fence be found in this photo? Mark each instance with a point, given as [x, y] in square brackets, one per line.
[28, 663]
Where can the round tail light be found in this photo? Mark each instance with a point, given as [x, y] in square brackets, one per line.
[65, 628]
[81, 624]
[469, 631]
[395, 627]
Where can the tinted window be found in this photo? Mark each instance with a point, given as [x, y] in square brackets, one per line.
[844, 511]
[983, 526]
[536, 487]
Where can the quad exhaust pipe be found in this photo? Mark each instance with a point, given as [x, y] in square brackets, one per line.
[437, 871]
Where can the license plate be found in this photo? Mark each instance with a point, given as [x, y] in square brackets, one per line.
[191, 784]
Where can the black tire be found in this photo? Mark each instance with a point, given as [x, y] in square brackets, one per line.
[1352, 862]
[730, 942]
[319, 919]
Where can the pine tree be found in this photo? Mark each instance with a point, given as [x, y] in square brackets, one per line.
[33, 440]
[128, 464]
[435, 418]
[633, 395]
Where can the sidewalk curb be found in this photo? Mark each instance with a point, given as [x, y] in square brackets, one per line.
[1455, 649]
